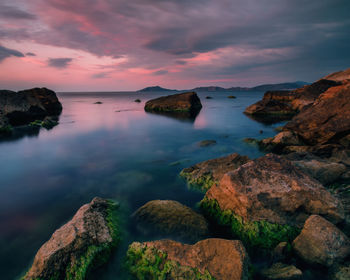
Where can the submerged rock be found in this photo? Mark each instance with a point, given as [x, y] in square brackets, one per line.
[78, 246]
[267, 200]
[208, 259]
[167, 218]
[183, 102]
[204, 174]
[280, 271]
[321, 243]
[206, 143]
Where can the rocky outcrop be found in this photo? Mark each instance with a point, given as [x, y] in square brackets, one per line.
[280, 271]
[339, 76]
[24, 107]
[171, 219]
[327, 120]
[207, 259]
[267, 200]
[281, 105]
[321, 243]
[204, 174]
[79, 245]
[182, 102]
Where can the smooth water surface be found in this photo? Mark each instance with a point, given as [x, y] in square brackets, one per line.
[113, 150]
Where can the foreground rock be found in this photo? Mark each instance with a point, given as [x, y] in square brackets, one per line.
[188, 101]
[204, 174]
[280, 271]
[320, 242]
[267, 200]
[78, 246]
[167, 218]
[208, 259]
[283, 105]
[24, 107]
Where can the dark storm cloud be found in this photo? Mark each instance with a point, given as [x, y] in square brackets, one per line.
[30, 54]
[6, 52]
[309, 37]
[14, 13]
[59, 62]
[160, 72]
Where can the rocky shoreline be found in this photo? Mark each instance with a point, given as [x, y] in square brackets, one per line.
[285, 215]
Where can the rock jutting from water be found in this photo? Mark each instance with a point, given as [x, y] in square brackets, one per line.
[80, 245]
[28, 106]
[267, 200]
[182, 102]
[204, 174]
[171, 219]
[208, 259]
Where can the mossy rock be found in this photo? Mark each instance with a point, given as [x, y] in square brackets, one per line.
[146, 262]
[201, 183]
[260, 235]
[6, 130]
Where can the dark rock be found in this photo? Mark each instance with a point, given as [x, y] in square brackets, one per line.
[267, 200]
[208, 259]
[206, 143]
[183, 102]
[167, 218]
[78, 246]
[98, 103]
[137, 100]
[204, 174]
[208, 97]
[340, 272]
[281, 252]
[23, 107]
[280, 271]
[321, 243]
[231, 97]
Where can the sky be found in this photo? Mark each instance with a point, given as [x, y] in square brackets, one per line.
[125, 45]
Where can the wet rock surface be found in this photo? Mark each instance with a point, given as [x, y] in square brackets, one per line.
[280, 271]
[208, 259]
[79, 245]
[204, 174]
[168, 218]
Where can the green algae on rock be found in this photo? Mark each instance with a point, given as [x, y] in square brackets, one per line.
[79, 246]
[203, 175]
[206, 260]
[253, 234]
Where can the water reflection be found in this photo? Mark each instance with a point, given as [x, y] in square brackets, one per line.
[181, 116]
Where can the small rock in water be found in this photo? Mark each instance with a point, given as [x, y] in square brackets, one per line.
[137, 100]
[206, 143]
[261, 131]
[281, 271]
[231, 97]
[208, 97]
[98, 102]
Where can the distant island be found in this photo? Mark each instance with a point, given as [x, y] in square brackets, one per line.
[264, 87]
[155, 88]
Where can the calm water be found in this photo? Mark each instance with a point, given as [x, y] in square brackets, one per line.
[113, 150]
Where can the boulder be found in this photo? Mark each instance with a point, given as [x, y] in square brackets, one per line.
[168, 218]
[206, 143]
[326, 120]
[204, 174]
[267, 200]
[207, 259]
[29, 105]
[324, 171]
[340, 272]
[321, 243]
[78, 246]
[182, 102]
[280, 271]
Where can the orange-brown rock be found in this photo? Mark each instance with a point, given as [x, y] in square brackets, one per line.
[272, 189]
[218, 259]
[75, 248]
[170, 219]
[339, 76]
[327, 119]
[204, 174]
[182, 102]
[321, 243]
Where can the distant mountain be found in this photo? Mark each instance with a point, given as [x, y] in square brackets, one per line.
[155, 88]
[265, 87]
[210, 88]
